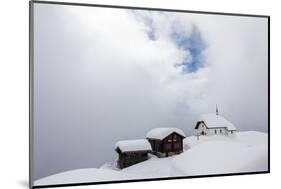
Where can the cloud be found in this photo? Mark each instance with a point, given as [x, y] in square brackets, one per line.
[237, 54]
[103, 75]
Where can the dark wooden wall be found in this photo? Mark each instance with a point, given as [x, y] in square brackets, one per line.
[172, 143]
[127, 159]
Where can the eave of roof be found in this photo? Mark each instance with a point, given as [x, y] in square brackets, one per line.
[197, 125]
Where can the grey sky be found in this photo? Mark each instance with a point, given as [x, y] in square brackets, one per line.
[99, 78]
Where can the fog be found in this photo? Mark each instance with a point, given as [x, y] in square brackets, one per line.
[102, 75]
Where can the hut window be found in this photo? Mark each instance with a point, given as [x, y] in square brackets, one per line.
[170, 138]
[215, 131]
[175, 137]
[220, 131]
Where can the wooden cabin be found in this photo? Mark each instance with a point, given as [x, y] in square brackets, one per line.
[214, 124]
[131, 152]
[166, 141]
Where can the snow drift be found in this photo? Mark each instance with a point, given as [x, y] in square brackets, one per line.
[243, 152]
[218, 154]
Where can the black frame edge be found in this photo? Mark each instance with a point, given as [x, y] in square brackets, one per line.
[152, 179]
[268, 30]
[147, 8]
[31, 73]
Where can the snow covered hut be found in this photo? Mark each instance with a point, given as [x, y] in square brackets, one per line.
[166, 141]
[214, 124]
[131, 152]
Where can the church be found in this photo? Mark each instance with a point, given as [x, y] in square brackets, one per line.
[214, 124]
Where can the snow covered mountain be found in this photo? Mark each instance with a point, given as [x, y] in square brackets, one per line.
[218, 154]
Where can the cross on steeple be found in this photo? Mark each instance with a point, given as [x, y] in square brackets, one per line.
[217, 110]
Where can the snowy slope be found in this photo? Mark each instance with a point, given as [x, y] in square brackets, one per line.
[83, 176]
[242, 152]
[153, 168]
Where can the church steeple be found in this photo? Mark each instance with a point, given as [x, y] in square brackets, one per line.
[217, 110]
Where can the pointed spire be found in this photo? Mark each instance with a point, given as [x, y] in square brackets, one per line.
[217, 110]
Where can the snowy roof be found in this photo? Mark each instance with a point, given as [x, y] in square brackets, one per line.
[215, 121]
[161, 133]
[133, 145]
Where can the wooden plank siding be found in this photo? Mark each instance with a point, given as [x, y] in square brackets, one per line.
[172, 144]
[126, 159]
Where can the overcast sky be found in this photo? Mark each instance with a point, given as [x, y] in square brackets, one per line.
[103, 75]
